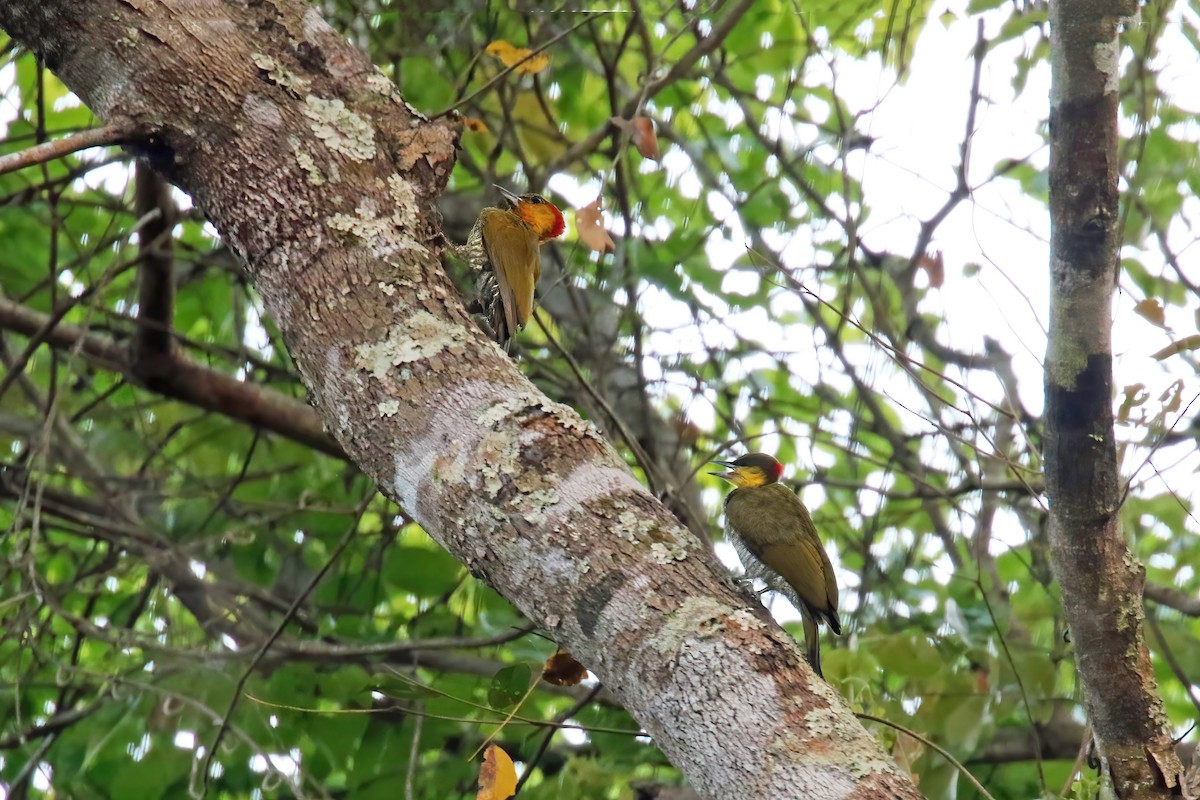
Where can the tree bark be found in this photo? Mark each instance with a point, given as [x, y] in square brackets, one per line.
[318, 174]
[1100, 579]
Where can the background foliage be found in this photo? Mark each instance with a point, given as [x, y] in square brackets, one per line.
[796, 274]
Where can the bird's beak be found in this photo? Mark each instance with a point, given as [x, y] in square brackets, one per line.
[509, 196]
[726, 475]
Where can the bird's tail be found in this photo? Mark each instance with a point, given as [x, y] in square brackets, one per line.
[812, 644]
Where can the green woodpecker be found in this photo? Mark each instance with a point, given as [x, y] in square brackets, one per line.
[504, 246]
[777, 542]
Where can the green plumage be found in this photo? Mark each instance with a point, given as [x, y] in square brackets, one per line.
[776, 539]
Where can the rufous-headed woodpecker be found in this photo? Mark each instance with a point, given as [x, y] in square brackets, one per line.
[504, 246]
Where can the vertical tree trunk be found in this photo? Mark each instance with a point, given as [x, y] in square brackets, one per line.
[1101, 582]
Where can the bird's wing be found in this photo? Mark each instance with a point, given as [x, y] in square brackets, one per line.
[805, 566]
[520, 244]
[802, 564]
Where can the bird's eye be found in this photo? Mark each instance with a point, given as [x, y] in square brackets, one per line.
[537, 198]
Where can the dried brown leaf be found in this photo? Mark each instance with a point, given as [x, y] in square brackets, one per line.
[590, 224]
[641, 133]
[935, 268]
[1152, 311]
[563, 670]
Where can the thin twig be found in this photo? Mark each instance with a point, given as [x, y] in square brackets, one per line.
[413, 752]
[505, 72]
[933, 746]
[227, 717]
[105, 136]
[545, 745]
[1187, 682]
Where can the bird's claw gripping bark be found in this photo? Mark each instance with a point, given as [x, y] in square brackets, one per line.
[740, 584]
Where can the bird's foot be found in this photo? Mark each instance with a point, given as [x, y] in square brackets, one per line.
[740, 584]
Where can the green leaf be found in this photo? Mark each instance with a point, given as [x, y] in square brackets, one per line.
[509, 685]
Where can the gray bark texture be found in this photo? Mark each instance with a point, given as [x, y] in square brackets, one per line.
[319, 175]
[1101, 580]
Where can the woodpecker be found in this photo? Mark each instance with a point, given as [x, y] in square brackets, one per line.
[776, 540]
[504, 246]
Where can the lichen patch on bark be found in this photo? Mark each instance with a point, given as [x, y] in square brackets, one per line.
[280, 75]
[306, 162]
[342, 130]
[420, 337]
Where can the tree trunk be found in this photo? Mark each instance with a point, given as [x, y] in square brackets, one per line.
[325, 182]
[1101, 582]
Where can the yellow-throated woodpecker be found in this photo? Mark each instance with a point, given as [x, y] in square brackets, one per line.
[776, 539]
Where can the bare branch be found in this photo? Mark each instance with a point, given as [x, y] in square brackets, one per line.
[105, 136]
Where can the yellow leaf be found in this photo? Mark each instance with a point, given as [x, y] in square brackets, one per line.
[591, 228]
[520, 56]
[499, 49]
[1152, 311]
[475, 124]
[497, 776]
[1174, 348]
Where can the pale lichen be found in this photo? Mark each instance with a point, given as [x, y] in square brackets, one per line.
[363, 224]
[420, 337]
[405, 201]
[569, 418]
[342, 130]
[525, 400]
[380, 84]
[281, 75]
[378, 232]
[746, 620]
[388, 408]
[306, 162]
[1065, 361]
[665, 553]
[631, 526]
[696, 614]
[496, 457]
[823, 723]
[448, 467]
[539, 500]
[502, 410]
